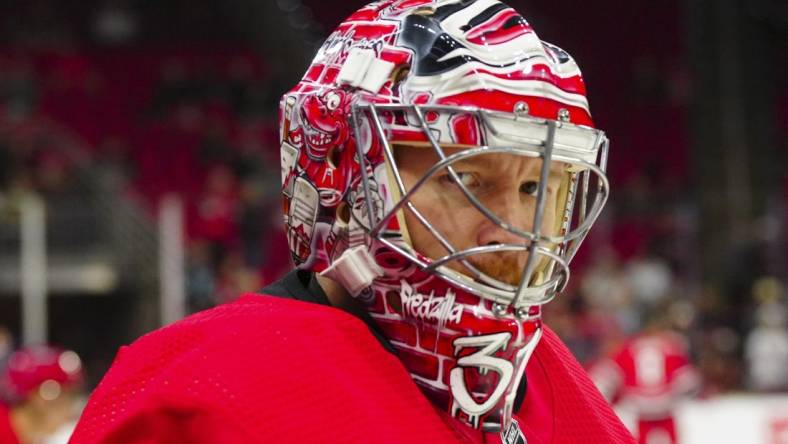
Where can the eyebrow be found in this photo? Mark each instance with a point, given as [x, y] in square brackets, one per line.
[556, 170]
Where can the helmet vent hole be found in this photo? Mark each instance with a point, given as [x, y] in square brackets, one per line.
[343, 212]
[333, 157]
[399, 74]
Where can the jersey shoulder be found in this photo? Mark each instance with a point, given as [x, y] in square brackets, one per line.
[263, 368]
[254, 331]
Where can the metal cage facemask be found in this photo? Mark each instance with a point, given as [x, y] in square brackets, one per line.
[546, 270]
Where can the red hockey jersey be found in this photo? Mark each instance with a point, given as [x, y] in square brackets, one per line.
[7, 434]
[273, 370]
[646, 378]
[650, 373]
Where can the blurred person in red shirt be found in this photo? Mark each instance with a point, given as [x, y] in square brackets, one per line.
[41, 390]
[647, 376]
[217, 208]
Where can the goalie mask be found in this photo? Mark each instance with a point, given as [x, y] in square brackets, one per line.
[440, 162]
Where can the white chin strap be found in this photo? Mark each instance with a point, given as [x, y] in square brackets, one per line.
[355, 269]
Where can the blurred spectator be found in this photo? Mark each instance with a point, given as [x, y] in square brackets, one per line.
[649, 278]
[200, 277]
[719, 359]
[766, 346]
[38, 153]
[235, 279]
[174, 87]
[6, 346]
[217, 209]
[215, 147]
[116, 161]
[5, 164]
[41, 387]
[19, 88]
[254, 222]
[115, 23]
[607, 290]
[647, 377]
[587, 331]
[242, 88]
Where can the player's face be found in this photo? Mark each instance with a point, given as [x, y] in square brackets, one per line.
[506, 183]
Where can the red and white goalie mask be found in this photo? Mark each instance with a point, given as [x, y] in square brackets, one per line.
[440, 162]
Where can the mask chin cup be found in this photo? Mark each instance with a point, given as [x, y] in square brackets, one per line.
[355, 270]
[543, 286]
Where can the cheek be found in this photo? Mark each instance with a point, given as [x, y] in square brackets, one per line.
[423, 241]
[456, 224]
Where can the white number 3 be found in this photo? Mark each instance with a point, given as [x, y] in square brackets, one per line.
[484, 361]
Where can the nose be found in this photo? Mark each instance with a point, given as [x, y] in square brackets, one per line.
[512, 210]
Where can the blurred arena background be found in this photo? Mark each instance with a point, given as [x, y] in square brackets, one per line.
[139, 177]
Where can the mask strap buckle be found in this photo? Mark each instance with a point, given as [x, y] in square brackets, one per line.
[355, 270]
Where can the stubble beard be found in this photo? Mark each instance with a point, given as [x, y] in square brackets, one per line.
[506, 267]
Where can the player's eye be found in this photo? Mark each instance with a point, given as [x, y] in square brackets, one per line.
[530, 187]
[469, 180]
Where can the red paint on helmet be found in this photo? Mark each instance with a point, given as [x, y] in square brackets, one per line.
[493, 32]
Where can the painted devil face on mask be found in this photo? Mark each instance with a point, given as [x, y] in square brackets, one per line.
[324, 123]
